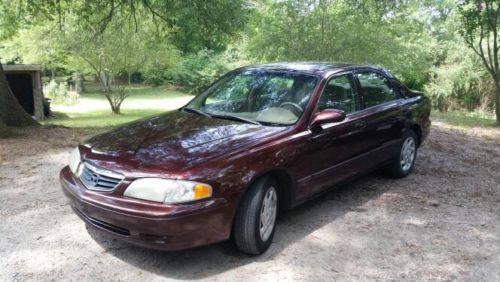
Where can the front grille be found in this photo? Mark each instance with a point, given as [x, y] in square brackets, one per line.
[98, 179]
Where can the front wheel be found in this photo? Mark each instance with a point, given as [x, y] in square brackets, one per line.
[255, 219]
[403, 164]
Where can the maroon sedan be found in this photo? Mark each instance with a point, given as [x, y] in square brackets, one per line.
[260, 139]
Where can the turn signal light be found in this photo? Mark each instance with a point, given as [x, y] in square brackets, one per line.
[202, 191]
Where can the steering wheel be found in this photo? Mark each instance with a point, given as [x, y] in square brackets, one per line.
[294, 106]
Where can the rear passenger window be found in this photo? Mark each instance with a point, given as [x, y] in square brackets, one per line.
[339, 94]
[376, 88]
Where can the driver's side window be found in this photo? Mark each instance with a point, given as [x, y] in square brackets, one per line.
[339, 94]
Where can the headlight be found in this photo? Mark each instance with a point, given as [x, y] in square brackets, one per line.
[167, 190]
[74, 160]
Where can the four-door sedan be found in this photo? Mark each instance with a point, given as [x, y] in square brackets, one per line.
[260, 139]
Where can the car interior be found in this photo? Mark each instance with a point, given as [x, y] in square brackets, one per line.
[338, 94]
[375, 89]
[277, 100]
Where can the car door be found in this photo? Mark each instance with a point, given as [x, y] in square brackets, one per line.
[333, 149]
[381, 102]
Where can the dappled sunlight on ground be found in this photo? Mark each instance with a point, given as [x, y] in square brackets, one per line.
[440, 223]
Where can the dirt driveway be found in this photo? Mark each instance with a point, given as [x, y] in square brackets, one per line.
[440, 223]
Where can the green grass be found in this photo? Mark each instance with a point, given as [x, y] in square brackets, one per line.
[466, 119]
[93, 110]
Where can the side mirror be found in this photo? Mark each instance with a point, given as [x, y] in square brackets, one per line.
[328, 116]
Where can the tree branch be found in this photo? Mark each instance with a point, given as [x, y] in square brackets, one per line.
[103, 23]
[481, 48]
[154, 12]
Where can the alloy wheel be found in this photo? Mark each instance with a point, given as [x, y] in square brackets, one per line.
[268, 213]
[407, 153]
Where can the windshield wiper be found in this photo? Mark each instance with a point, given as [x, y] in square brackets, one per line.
[268, 123]
[196, 112]
[227, 116]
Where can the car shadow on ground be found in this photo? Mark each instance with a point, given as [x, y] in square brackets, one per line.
[292, 226]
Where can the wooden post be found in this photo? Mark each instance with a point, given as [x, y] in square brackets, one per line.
[37, 95]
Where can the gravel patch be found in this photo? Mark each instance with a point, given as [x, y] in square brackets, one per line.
[440, 223]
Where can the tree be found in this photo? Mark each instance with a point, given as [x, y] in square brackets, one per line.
[387, 33]
[99, 14]
[11, 112]
[480, 28]
[116, 99]
[122, 48]
[20, 48]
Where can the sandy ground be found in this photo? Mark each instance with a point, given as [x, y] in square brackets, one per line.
[440, 223]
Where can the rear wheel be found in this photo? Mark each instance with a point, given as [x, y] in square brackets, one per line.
[403, 164]
[255, 219]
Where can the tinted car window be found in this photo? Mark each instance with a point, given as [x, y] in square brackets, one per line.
[376, 88]
[339, 94]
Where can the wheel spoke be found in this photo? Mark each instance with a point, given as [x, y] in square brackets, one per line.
[268, 213]
[407, 154]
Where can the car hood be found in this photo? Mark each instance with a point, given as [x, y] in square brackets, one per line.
[176, 140]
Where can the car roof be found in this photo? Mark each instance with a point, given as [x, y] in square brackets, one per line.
[316, 68]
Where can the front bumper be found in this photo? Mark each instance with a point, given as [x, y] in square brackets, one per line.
[147, 224]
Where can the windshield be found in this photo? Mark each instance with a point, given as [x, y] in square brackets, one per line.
[277, 98]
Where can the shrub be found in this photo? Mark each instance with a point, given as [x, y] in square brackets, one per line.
[155, 75]
[196, 71]
[59, 94]
[460, 82]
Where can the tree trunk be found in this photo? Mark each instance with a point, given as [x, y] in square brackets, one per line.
[78, 83]
[5, 131]
[105, 80]
[497, 102]
[11, 112]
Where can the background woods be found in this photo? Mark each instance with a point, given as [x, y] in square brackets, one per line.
[448, 49]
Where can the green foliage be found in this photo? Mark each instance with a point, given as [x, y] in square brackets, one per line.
[196, 71]
[342, 32]
[38, 44]
[58, 93]
[480, 27]
[192, 25]
[8, 19]
[458, 79]
[191, 43]
[205, 24]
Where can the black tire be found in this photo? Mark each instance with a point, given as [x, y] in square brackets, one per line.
[247, 222]
[396, 169]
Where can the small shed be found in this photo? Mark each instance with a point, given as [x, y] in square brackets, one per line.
[25, 81]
